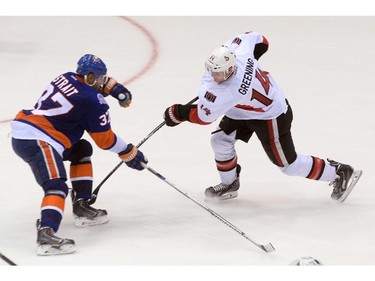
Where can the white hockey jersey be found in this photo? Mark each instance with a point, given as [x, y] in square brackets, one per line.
[250, 93]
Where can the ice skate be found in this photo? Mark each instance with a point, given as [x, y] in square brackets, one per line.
[224, 191]
[85, 215]
[346, 179]
[49, 244]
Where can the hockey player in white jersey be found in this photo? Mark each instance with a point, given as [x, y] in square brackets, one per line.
[251, 101]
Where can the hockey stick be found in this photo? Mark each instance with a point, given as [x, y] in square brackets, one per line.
[267, 247]
[8, 261]
[5, 121]
[96, 191]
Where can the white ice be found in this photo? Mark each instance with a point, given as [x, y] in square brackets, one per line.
[325, 65]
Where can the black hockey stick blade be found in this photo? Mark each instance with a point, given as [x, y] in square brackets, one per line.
[8, 261]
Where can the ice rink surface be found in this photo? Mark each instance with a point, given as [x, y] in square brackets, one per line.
[325, 65]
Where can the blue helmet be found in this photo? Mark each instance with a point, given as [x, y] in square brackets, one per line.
[91, 64]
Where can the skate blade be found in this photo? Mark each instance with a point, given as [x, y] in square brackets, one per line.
[353, 181]
[85, 222]
[50, 250]
[225, 196]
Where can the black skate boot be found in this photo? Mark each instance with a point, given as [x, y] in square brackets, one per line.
[49, 244]
[346, 179]
[224, 191]
[85, 215]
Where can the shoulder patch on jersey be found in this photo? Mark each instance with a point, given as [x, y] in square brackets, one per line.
[236, 41]
[101, 99]
[210, 96]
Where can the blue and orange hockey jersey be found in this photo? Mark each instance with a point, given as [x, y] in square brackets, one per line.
[66, 109]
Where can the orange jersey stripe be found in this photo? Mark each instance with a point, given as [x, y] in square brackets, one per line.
[53, 201]
[104, 140]
[41, 122]
[81, 170]
[49, 159]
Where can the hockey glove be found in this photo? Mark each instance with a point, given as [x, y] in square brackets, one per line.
[133, 157]
[122, 94]
[176, 114]
[118, 91]
[170, 116]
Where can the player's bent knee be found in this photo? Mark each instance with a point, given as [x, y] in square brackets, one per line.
[300, 167]
[81, 150]
[56, 186]
[84, 147]
[289, 170]
[222, 141]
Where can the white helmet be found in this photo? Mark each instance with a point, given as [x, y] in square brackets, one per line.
[222, 59]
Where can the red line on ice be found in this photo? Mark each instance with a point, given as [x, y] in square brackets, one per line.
[150, 63]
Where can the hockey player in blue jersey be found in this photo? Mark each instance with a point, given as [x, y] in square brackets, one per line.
[51, 133]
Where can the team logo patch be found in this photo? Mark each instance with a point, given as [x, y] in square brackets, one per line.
[210, 97]
[101, 99]
[206, 110]
[236, 41]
